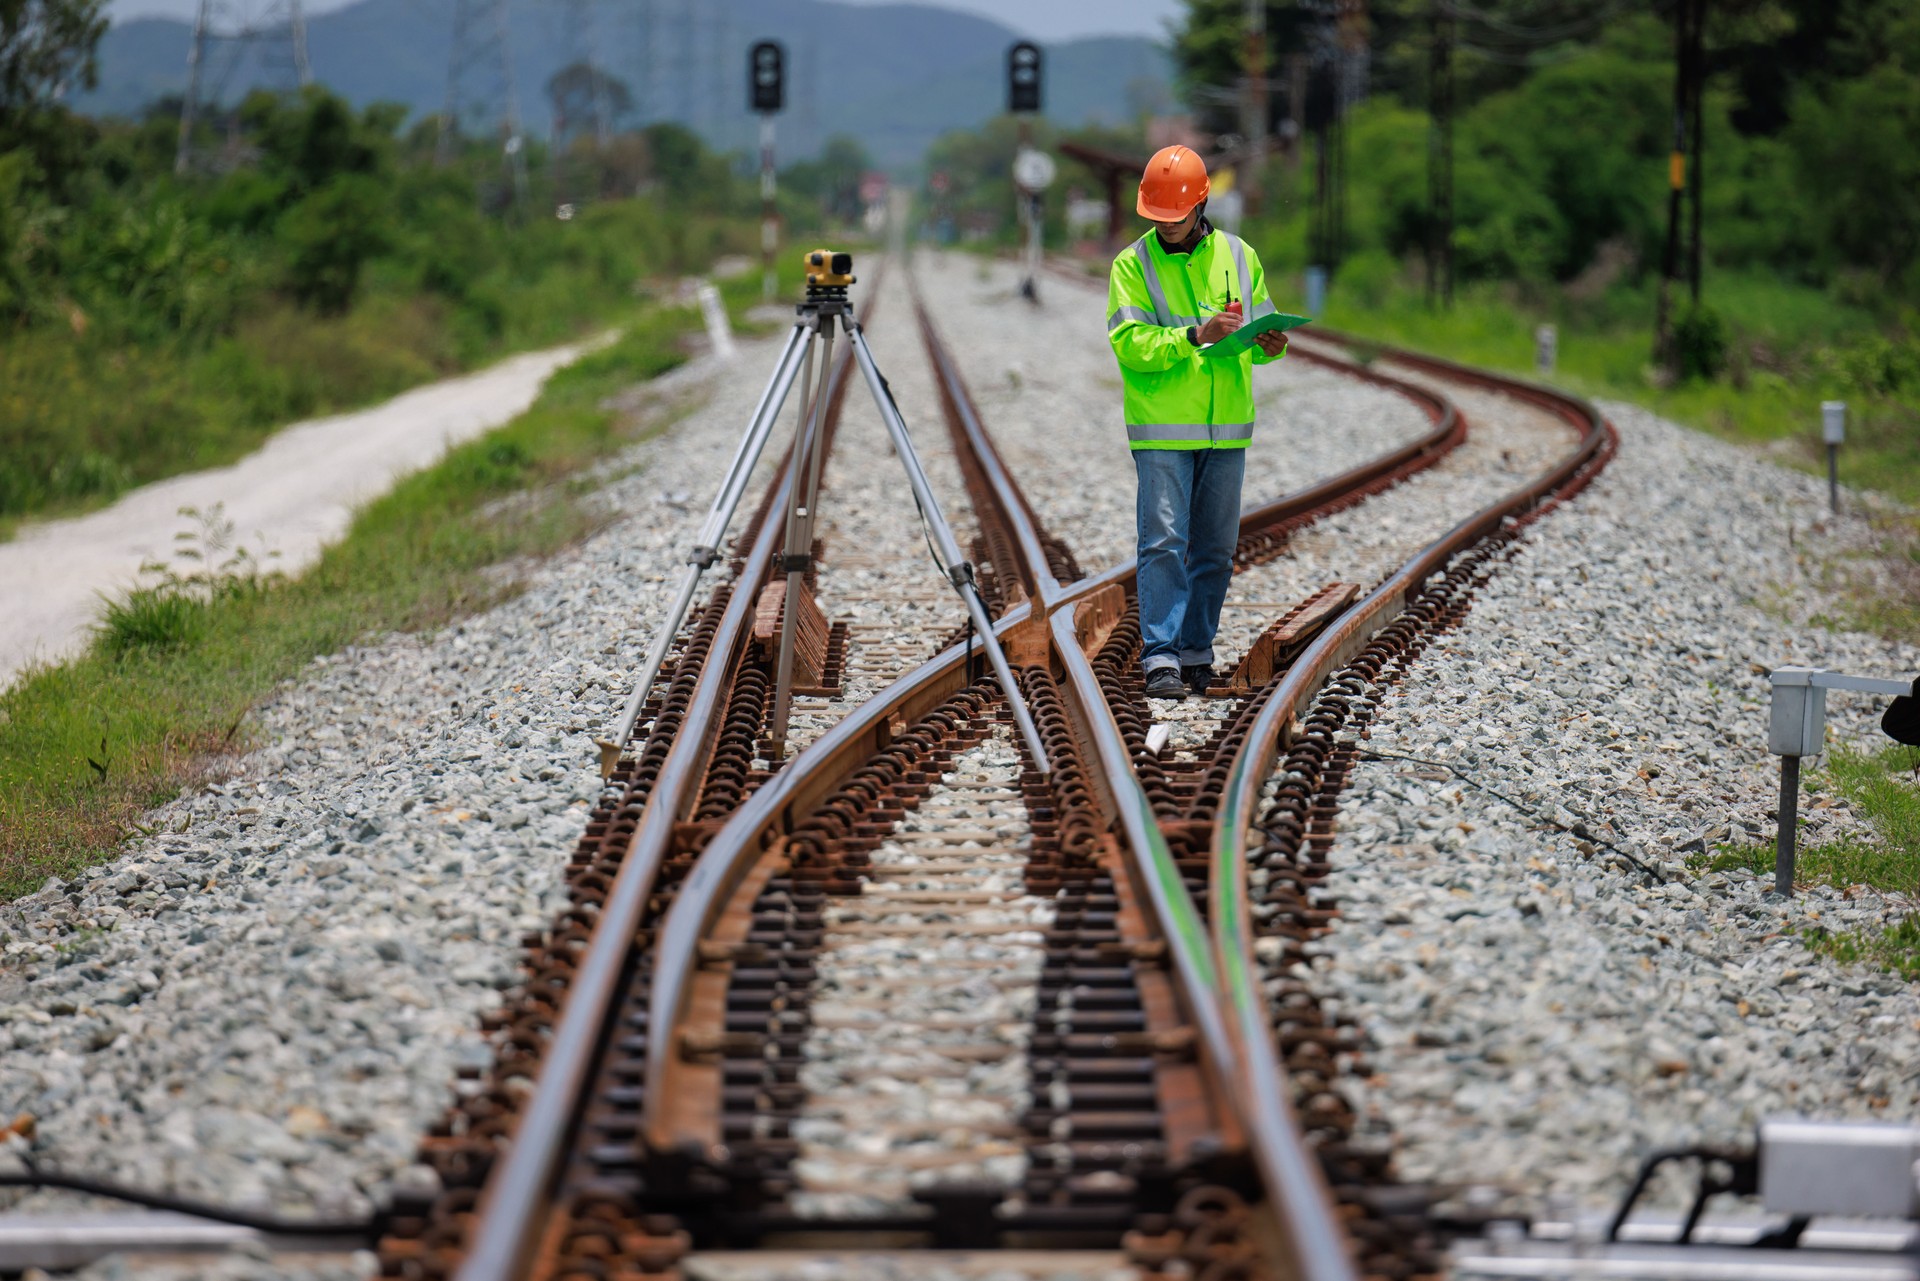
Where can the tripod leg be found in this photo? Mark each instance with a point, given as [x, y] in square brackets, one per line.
[706, 550]
[958, 569]
[798, 550]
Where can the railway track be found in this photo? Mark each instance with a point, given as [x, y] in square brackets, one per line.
[906, 992]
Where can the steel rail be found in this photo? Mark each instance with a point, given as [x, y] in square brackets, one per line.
[1230, 912]
[1311, 1238]
[513, 1206]
[1448, 431]
[815, 772]
[517, 1195]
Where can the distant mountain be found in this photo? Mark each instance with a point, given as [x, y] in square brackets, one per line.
[893, 76]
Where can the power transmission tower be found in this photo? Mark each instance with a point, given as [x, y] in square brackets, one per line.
[689, 67]
[480, 92]
[576, 178]
[1440, 158]
[223, 39]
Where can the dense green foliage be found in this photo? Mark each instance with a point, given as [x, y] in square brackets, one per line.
[313, 257]
[1563, 126]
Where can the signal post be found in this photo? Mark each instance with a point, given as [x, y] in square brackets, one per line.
[766, 94]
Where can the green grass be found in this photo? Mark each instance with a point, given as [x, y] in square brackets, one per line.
[1791, 347]
[1883, 786]
[173, 675]
[87, 747]
[1896, 948]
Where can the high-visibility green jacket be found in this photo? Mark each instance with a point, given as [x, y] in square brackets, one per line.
[1175, 397]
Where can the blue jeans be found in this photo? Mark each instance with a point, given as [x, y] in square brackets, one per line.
[1189, 520]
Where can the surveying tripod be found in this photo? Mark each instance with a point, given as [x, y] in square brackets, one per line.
[825, 310]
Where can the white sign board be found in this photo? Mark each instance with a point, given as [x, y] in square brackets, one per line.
[1033, 169]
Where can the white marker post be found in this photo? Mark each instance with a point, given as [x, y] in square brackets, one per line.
[1546, 347]
[719, 332]
[1833, 429]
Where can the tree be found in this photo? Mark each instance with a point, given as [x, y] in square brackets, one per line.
[47, 47]
[832, 177]
[1858, 153]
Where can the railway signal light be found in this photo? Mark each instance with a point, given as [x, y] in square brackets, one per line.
[1023, 77]
[767, 76]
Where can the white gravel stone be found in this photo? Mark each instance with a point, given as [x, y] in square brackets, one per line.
[1545, 1017]
[911, 1265]
[923, 999]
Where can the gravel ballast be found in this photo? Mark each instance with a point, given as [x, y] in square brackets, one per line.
[265, 1002]
[1544, 1016]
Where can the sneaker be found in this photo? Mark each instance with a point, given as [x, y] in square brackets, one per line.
[1198, 677]
[1165, 682]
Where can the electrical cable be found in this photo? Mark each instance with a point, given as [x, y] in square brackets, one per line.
[368, 1230]
[1578, 829]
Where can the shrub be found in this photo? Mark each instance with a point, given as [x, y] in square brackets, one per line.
[151, 619]
[1700, 342]
[176, 607]
[331, 235]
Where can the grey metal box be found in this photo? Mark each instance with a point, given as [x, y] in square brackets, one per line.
[1864, 1169]
[1833, 421]
[1797, 724]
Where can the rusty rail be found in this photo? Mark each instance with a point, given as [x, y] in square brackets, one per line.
[515, 1204]
[1230, 913]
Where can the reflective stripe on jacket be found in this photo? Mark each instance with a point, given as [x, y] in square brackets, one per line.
[1176, 398]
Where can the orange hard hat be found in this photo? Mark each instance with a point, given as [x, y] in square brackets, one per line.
[1175, 181]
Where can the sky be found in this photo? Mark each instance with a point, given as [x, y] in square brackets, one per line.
[1041, 19]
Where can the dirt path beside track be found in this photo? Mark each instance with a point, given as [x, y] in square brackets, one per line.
[293, 495]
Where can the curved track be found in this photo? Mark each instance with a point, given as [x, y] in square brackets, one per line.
[661, 1077]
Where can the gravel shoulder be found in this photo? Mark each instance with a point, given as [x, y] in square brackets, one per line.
[1543, 1017]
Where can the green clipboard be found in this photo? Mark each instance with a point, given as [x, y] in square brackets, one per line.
[1242, 338]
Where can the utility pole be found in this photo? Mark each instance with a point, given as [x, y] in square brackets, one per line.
[281, 27]
[689, 67]
[1689, 22]
[1297, 74]
[1698, 175]
[643, 60]
[1253, 124]
[1440, 158]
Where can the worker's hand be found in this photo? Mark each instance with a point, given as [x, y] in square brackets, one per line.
[1219, 325]
[1273, 342]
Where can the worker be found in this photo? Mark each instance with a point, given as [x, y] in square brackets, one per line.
[1182, 286]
